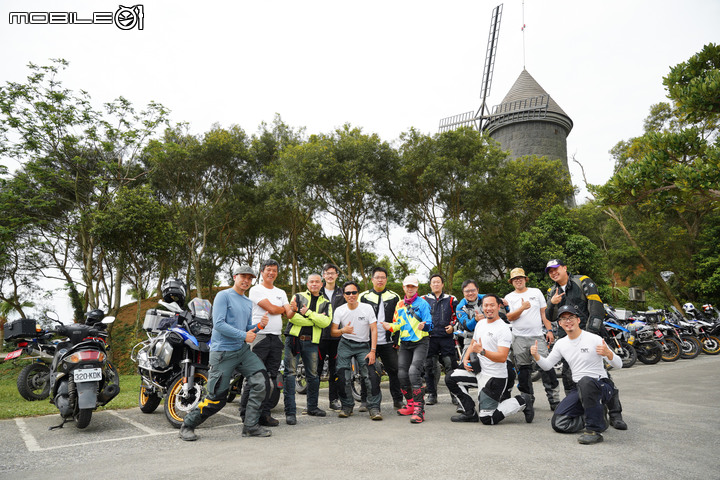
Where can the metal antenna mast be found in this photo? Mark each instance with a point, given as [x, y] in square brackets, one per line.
[477, 119]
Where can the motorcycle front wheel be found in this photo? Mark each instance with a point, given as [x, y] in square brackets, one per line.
[671, 350]
[627, 354]
[649, 353]
[148, 400]
[690, 346]
[711, 345]
[83, 417]
[300, 380]
[33, 382]
[177, 404]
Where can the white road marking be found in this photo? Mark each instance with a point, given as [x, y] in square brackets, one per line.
[30, 442]
[135, 424]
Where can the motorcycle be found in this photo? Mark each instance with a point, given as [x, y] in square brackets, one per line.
[82, 377]
[642, 338]
[33, 381]
[690, 345]
[173, 361]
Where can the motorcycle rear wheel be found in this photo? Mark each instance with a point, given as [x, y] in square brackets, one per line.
[33, 382]
[671, 350]
[177, 406]
[627, 354]
[711, 345]
[83, 417]
[649, 354]
[147, 400]
[690, 345]
[300, 380]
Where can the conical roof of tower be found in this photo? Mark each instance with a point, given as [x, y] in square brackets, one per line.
[525, 87]
[527, 101]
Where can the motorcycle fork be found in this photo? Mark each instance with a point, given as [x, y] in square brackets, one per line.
[188, 376]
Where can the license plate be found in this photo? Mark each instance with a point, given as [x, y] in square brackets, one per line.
[14, 354]
[87, 375]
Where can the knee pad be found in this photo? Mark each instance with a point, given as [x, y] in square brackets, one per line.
[567, 424]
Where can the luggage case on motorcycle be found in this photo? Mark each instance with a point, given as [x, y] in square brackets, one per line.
[153, 318]
[23, 328]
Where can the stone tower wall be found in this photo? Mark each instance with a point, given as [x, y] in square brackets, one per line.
[539, 138]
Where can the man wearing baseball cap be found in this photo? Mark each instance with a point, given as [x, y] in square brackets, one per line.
[527, 317]
[584, 406]
[232, 334]
[413, 320]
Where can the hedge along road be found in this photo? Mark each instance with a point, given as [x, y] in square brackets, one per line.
[671, 409]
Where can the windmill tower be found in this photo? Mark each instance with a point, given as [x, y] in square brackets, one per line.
[527, 122]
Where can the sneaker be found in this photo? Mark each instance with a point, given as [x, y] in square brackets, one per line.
[398, 404]
[529, 410]
[363, 407]
[187, 434]
[335, 405]
[268, 421]
[465, 418]
[345, 412]
[375, 414]
[315, 412]
[617, 422]
[291, 419]
[431, 399]
[590, 438]
[255, 431]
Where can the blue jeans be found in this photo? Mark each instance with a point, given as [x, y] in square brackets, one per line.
[294, 349]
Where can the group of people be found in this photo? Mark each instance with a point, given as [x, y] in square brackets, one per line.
[412, 335]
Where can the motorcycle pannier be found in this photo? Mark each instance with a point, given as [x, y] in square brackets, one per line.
[23, 328]
[153, 318]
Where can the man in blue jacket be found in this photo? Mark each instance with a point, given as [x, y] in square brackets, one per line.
[232, 334]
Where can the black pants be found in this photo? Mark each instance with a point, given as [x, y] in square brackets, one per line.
[269, 350]
[442, 348]
[388, 354]
[328, 349]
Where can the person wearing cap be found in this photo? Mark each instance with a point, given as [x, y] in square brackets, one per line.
[584, 406]
[273, 301]
[232, 334]
[442, 344]
[527, 317]
[383, 302]
[311, 313]
[580, 292]
[329, 344]
[355, 322]
[413, 320]
[490, 371]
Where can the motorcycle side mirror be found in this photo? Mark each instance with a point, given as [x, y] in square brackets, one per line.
[108, 320]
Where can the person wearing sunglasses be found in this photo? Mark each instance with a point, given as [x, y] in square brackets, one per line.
[356, 324]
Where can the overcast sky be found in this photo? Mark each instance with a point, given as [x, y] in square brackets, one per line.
[384, 66]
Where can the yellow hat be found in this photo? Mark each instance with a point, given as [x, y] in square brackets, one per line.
[516, 272]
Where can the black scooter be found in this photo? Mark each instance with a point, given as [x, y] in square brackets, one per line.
[82, 377]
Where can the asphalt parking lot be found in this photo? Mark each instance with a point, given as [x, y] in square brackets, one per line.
[671, 409]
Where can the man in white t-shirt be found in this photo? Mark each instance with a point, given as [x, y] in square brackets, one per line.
[355, 322]
[491, 342]
[267, 298]
[527, 317]
[583, 406]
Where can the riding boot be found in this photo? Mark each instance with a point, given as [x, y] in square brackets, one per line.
[418, 415]
[408, 409]
[615, 412]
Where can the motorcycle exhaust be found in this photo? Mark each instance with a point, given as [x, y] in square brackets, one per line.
[109, 393]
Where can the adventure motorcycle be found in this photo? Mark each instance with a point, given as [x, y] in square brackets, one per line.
[82, 377]
[33, 381]
[173, 361]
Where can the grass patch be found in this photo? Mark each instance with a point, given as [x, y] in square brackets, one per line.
[13, 405]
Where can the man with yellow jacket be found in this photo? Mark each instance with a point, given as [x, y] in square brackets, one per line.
[311, 313]
[413, 320]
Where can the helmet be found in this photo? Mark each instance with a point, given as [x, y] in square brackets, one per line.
[94, 316]
[707, 308]
[173, 290]
[689, 308]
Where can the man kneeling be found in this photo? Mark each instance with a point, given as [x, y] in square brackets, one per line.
[584, 406]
